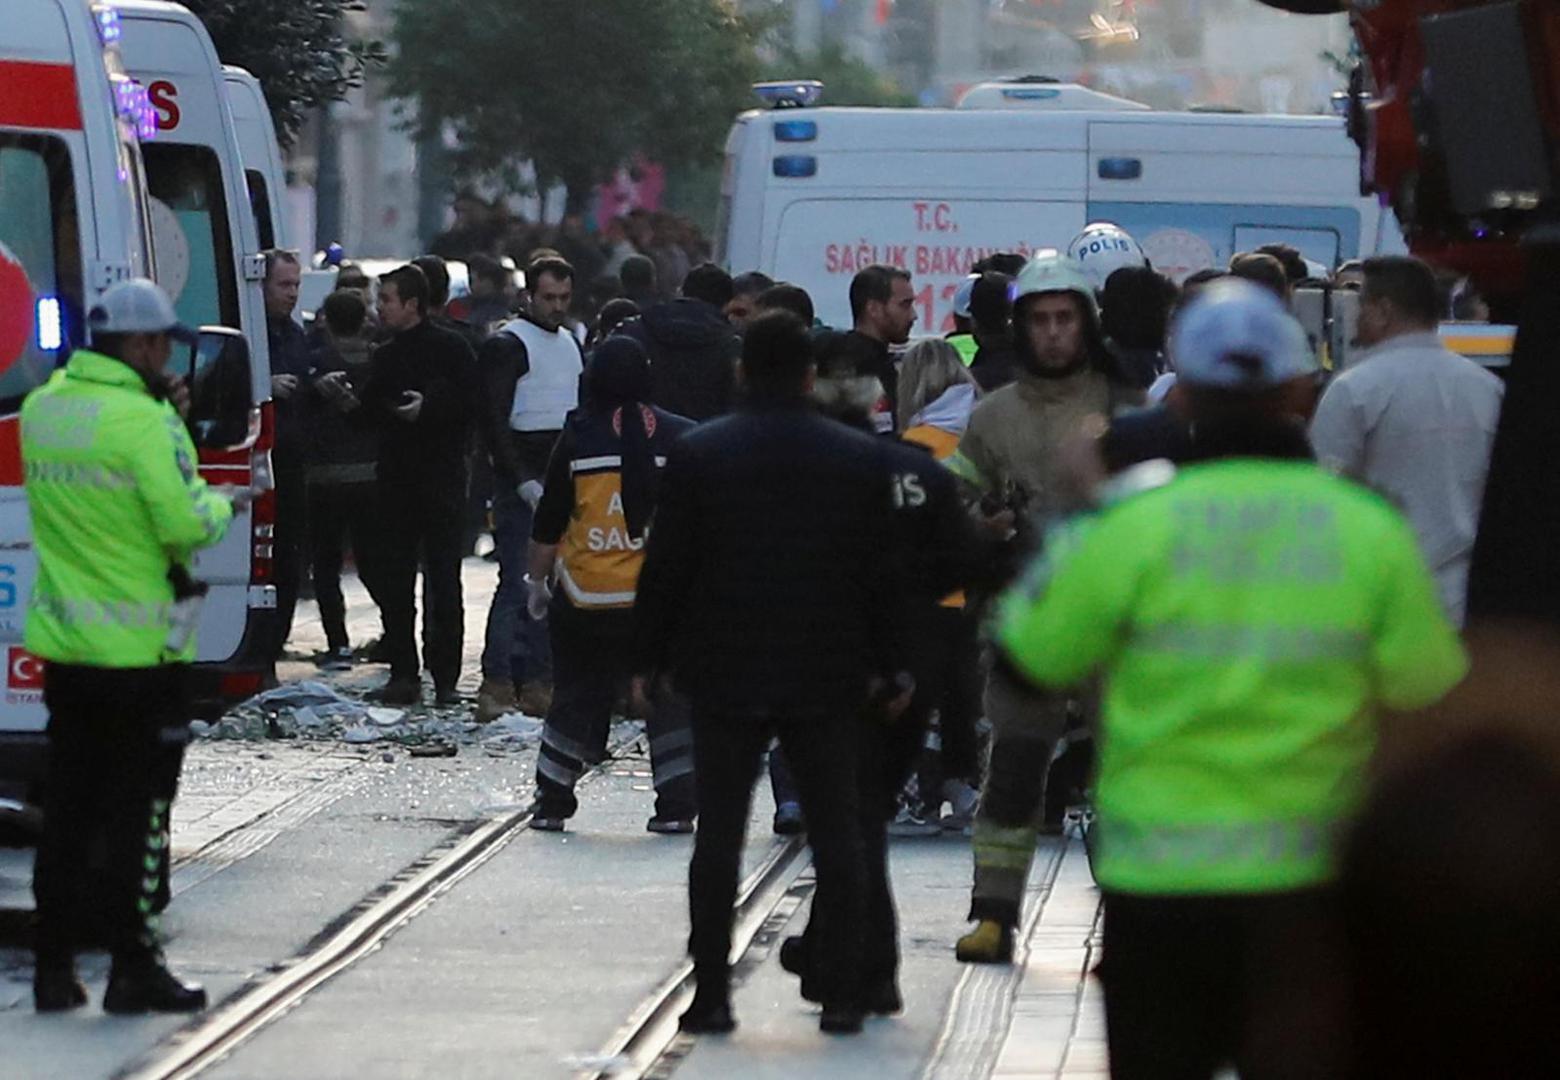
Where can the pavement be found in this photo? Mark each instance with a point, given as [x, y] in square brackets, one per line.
[531, 964]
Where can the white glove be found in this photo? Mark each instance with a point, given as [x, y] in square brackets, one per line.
[530, 493]
[538, 596]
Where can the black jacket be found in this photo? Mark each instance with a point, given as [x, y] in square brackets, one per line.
[343, 446]
[517, 456]
[765, 585]
[438, 364]
[995, 364]
[693, 357]
[290, 355]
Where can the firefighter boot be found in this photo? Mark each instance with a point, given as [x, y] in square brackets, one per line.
[495, 697]
[990, 942]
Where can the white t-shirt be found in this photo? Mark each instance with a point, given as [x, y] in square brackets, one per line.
[1416, 422]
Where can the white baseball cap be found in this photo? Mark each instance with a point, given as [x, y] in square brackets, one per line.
[1237, 335]
[138, 306]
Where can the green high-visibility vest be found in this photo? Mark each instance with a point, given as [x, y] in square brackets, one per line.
[965, 345]
[1250, 615]
[115, 498]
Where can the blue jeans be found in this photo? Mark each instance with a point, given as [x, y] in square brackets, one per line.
[516, 645]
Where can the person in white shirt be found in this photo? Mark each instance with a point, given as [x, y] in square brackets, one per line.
[1414, 420]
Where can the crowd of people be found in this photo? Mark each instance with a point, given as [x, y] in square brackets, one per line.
[911, 574]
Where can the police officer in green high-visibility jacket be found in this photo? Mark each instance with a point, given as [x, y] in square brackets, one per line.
[1254, 616]
[117, 509]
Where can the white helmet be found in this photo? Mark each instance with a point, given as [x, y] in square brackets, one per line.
[1103, 248]
[1052, 272]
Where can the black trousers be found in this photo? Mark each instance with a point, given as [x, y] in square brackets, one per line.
[883, 763]
[116, 745]
[592, 663]
[422, 525]
[339, 515]
[822, 751]
[946, 658]
[1194, 984]
[288, 542]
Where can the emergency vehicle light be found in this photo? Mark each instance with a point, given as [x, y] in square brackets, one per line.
[51, 326]
[1120, 168]
[789, 95]
[135, 105]
[795, 130]
[108, 26]
[796, 166]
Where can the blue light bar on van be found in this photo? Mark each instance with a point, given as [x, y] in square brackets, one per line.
[51, 324]
[789, 95]
[796, 166]
[796, 130]
[1029, 93]
[1120, 168]
[108, 26]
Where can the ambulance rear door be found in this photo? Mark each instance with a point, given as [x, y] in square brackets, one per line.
[208, 258]
[1195, 189]
[932, 191]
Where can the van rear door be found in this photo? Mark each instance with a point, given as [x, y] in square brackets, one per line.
[208, 260]
[1196, 189]
[931, 191]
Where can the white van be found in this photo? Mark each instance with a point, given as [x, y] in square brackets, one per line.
[811, 195]
[264, 177]
[73, 221]
[209, 259]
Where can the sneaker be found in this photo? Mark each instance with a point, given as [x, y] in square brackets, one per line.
[964, 799]
[375, 652]
[148, 986]
[990, 942]
[789, 820]
[913, 821]
[495, 697]
[400, 692]
[841, 1019]
[447, 697]
[340, 659]
[547, 822]
[670, 826]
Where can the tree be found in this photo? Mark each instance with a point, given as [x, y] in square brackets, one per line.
[296, 48]
[575, 88]
[847, 79]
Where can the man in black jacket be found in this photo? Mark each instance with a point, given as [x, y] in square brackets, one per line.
[530, 375]
[693, 349]
[421, 390]
[767, 597]
[882, 312]
[291, 377]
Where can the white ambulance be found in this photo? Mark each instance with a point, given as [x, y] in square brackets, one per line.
[811, 195]
[209, 259]
[74, 219]
[79, 166]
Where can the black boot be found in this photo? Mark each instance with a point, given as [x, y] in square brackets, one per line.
[841, 1019]
[882, 998]
[139, 986]
[56, 988]
[708, 1016]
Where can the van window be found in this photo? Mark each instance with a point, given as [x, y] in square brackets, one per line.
[260, 207]
[40, 232]
[195, 260]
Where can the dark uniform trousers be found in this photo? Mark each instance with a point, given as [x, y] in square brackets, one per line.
[116, 744]
[342, 514]
[822, 751]
[288, 541]
[592, 662]
[422, 524]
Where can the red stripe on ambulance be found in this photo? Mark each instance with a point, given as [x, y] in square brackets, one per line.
[34, 95]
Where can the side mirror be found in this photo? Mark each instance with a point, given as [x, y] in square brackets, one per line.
[221, 395]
